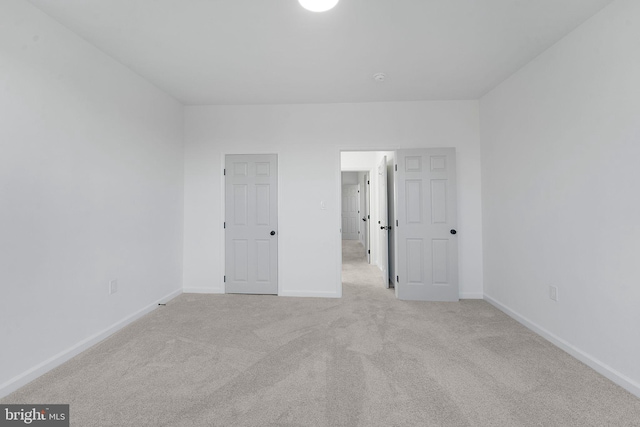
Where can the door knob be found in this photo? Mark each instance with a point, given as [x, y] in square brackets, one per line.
[273, 233]
[453, 231]
[364, 219]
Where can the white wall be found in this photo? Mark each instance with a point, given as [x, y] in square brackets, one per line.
[308, 140]
[349, 178]
[560, 154]
[358, 160]
[91, 190]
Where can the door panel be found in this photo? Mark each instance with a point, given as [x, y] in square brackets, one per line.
[439, 201]
[383, 221]
[367, 217]
[241, 260]
[359, 210]
[427, 258]
[413, 201]
[415, 264]
[360, 213]
[240, 204]
[263, 205]
[251, 252]
[439, 260]
[263, 260]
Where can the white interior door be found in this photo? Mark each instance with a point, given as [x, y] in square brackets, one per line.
[251, 224]
[360, 214]
[366, 217]
[350, 212]
[382, 228]
[427, 241]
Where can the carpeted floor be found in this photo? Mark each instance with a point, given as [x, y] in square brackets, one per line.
[364, 360]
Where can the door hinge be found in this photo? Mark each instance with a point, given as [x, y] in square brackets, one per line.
[367, 182]
[224, 224]
[368, 216]
[368, 251]
[396, 222]
[397, 279]
[396, 168]
[224, 171]
[225, 279]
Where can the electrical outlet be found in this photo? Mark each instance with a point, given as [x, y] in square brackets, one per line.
[113, 287]
[553, 293]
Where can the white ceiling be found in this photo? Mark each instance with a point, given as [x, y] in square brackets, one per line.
[273, 51]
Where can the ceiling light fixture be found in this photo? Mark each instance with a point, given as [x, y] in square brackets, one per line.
[318, 5]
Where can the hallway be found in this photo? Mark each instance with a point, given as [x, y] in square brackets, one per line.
[355, 269]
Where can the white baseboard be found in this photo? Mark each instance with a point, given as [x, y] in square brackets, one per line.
[309, 294]
[58, 359]
[281, 293]
[595, 364]
[471, 295]
[202, 290]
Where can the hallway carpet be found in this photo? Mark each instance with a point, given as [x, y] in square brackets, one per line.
[366, 359]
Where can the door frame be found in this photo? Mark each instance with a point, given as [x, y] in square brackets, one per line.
[222, 259]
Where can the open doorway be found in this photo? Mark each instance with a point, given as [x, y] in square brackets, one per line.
[412, 223]
[368, 214]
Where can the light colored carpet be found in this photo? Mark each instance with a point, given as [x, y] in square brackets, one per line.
[364, 360]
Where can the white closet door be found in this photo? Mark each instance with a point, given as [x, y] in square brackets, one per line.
[251, 224]
[382, 227]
